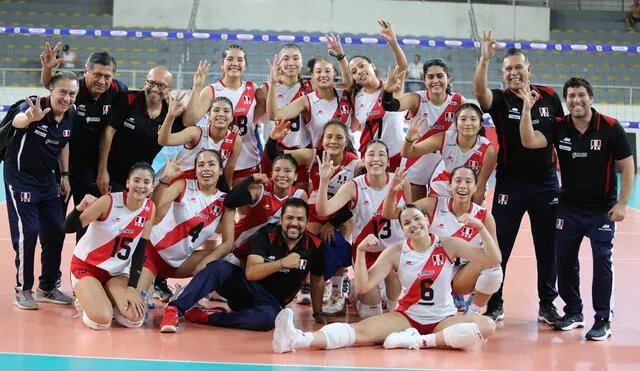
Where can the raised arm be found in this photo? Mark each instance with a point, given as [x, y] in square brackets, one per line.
[187, 136]
[231, 162]
[392, 100]
[530, 138]
[32, 114]
[346, 192]
[369, 278]
[480, 78]
[87, 211]
[489, 255]
[49, 61]
[389, 206]
[303, 156]
[289, 111]
[200, 99]
[412, 149]
[389, 34]
[336, 50]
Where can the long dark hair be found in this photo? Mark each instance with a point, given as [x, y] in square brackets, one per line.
[336, 122]
[355, 89]
[221, 184]
[440, 63]
[474, 107]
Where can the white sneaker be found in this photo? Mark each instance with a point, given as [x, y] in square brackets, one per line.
[326, 295]
[336, 304]
[284, 337]
[408, 339]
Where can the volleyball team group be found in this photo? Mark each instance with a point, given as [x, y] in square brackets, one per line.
[338, 184]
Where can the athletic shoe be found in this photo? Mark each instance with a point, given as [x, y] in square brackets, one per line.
[548, 314]
[169, 322]
[161, 290]
[304, 296]
[407, 339]
[336, 305]
[601, 330]
[199, 314]
[346, 287]
[284, 337]
[458, 301]
[569, 322]
[54, 296]
[24, 300]
[496, 314]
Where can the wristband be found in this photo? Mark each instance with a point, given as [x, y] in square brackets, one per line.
[340, 56]
[409, 141]
[65, 173]
[163, 182]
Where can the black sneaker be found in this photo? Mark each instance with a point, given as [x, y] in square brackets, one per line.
[601, 330]
[161, 290]
[496, 314]
[569, 322]
[548, 314]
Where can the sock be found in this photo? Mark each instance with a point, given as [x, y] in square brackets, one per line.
[474, 309]
[304, 339]
[428, 341]
[336, 284]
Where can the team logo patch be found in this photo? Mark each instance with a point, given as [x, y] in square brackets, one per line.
[544, 112]
[438, 259]
[559, 224]
[475, 165]
[448, 116]
[466, 232]
[139, 221]
[246, 99]
[105, 109]
[25, 196]
[303, 264]
[215, 210]
[344, 108]
[66, 133]
[596, 144]
[503, 199]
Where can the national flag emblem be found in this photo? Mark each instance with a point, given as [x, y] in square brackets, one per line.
[596, 144]
[105, 109]
[25, 196]
[139, 221]
[246, 99]
[559, 223]
[66, 133]
[438, 259]
[503, 199]
[344, 108]
[448, 116]
[215, 210]
[544, 111]
[466, 233]
[473, 164]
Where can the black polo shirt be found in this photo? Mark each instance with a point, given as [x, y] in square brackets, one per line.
[514, 159]
[33, 152]
[92, 115]
[285, 283]
[587, 161]
[136, 138]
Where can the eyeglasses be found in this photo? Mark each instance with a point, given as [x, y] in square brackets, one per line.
[160, 85]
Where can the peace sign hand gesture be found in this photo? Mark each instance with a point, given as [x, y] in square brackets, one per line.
[280, 129]
[35, 112]
[201, 74]
[176, 105]
[334, 45]
[488, 45]
[325, 166]
[413, 133]
[172, 169]
[386, 31]
[48, 57]
[394, 81]
[398, 179]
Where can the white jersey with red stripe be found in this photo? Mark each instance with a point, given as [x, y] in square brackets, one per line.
[322, 111]
[438, 118]
[298, 135]
[243, 114]
[391, 128]
[444, 222]
[111, 241]
[425, 278]
[265, 210]
[367, 214]
[190, 221]
[452, 157]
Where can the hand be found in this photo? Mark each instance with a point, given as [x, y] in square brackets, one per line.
[48, 57]
[394, 81]
[133, 301]
[369, 242]
[35, 112]
[275, 71]
[413, 133]
[201, 74]
[280, 129]
[87, 200]
[172, 169]
[334, 46]
[65, 188]
[529, 99]
[325, 166]
[618, 212]
[260, 178]
[102, 182]
[488, 45]
[386, 31]
[291, 261]
[398, 179]
[234, 128]
[470, 221]
[176, 105]
[328, 233]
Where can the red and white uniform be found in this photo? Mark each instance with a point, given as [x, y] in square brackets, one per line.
[298, 135]
[342, 174]
[244, 104]
[426, 283]
[322, 111]
[367, 216]
[110, 242]
[438, 119]
[190, 221]
[376, 123]
[452, 157]
[265, 210]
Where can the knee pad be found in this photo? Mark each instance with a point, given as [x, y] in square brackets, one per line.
[489, 280]
[122, 320]
[94, 325]
[462, 335]
[367, 310]
[339, 335]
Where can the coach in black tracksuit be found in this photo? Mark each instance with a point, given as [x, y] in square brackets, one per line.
[589, 145]
[526, 179]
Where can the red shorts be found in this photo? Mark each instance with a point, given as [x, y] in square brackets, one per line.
[154, 262]
[422, 329]
[80, 269]
[241, 174]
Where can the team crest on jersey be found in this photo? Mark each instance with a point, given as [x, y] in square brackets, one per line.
[116, 219]
[503, 199]
[246, 99]
[475, 165]
[596, 144]
[342, 179]
[438, 259]
[105, 109]
[139, 221]
[448, 116]
[344, 108]
[215, 210]
[466, 233]
[25, 196]
[544, 112]
[66, 133]
[559, 224]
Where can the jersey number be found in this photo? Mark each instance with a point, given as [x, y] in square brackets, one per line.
[426, 292]
[295, 124]
[382, 228]
[121, 248]
[195, 231]
[241, 122]
[370, 125]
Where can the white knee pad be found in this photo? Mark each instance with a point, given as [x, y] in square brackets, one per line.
[462, 335]
[339, 335]
[91, 324]
[489, 280]
[367, 310]
[122, 320]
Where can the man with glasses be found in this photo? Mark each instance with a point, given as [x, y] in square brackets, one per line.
[132, 132]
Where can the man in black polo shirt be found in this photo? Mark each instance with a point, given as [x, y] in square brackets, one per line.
[39, 144]
[280, 258]
[132, 132]
[526, 179]
[587, 143]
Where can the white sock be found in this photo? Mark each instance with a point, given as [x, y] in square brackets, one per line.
[304, 339]
[474, 309]
[336, 284]
[428, 341]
